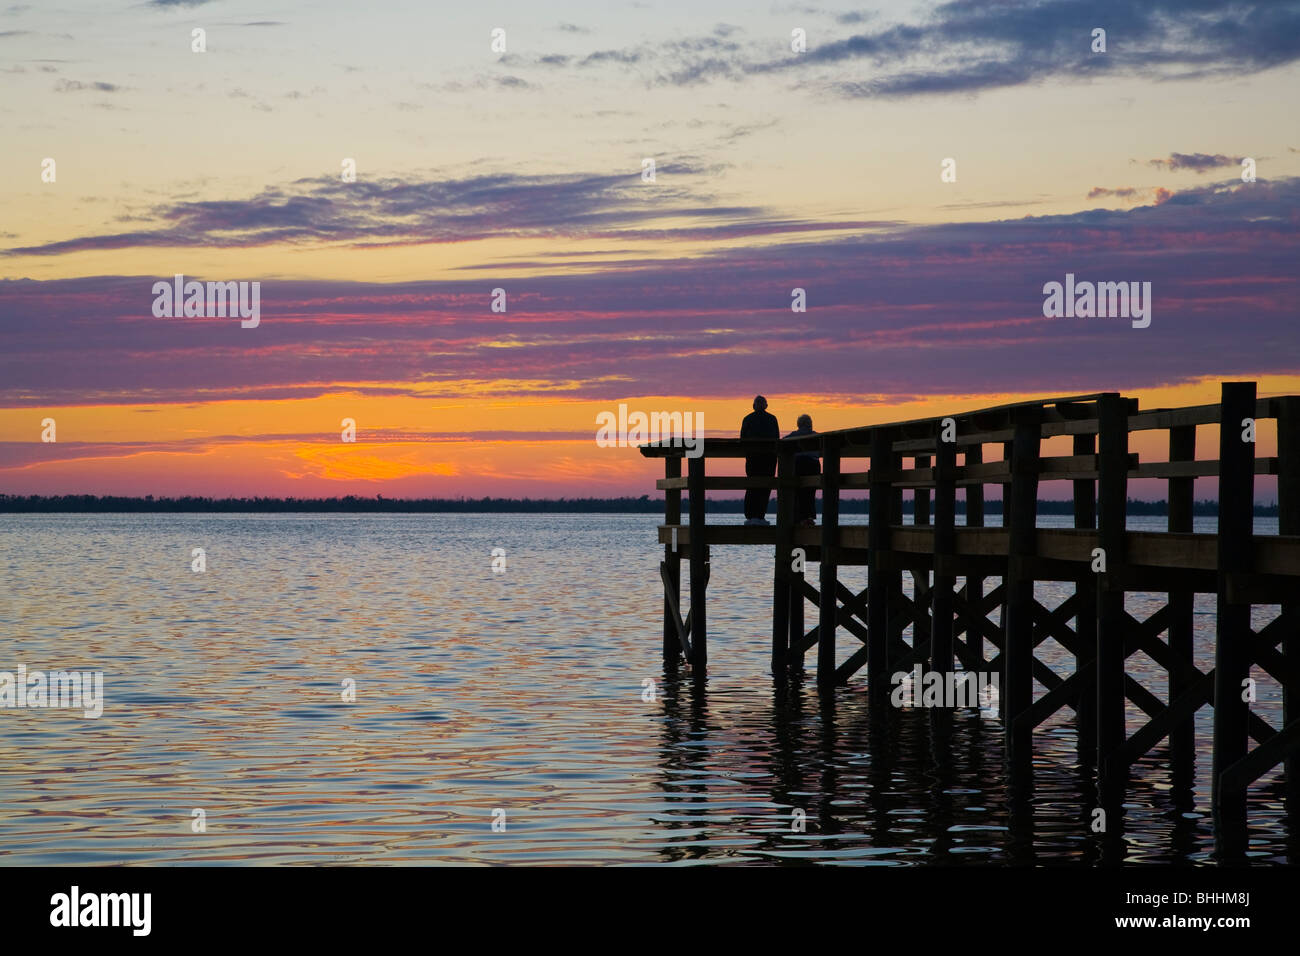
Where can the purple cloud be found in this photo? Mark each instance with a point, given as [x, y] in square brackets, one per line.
[937, 309]
[396, 211]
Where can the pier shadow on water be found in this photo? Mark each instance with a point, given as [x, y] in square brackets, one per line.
[832, 779]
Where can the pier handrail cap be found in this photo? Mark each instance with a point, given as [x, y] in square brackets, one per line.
[862, 433]
[713, 447]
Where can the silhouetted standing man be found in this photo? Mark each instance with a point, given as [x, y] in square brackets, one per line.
[759, 425]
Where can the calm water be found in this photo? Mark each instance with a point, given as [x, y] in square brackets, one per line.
[519, 691]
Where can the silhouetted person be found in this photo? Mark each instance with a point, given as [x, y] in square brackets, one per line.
[806, 463]
[759, 425]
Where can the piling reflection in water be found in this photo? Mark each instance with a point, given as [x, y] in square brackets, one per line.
[888, 786]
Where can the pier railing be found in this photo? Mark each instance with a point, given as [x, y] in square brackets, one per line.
[931, 459]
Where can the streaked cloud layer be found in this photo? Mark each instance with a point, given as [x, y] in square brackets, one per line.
[460, 209]
[966, 47]
[953, 308]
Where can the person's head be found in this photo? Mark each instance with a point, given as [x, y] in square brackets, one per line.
[804, 421]
[760, 403]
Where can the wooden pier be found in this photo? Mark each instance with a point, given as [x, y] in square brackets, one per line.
[1099, 558]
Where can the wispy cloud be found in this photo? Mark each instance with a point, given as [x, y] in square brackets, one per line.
[76, 86]
[1133, 194]
[1196, 162]
[1123, 192]
[399, 211]
[965, 47]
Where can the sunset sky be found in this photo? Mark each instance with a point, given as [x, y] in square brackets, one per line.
[522, 170]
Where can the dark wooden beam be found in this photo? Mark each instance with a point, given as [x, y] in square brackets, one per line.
[1182, 738]
[672, 567]
[1288, 508]
[699, 569]
[1232, 645]
[945, 541]
[782, 557]
[878, 534]
[1018, 684]
[1112, 493]
[1085, 518]
[827, 609]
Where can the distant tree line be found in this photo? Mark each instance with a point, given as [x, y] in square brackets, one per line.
[352, 503]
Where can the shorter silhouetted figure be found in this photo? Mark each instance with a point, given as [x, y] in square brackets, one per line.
[806, 463]
[757, 425]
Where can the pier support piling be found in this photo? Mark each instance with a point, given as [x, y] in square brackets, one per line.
[781, 573]
[1182, 736]
[877, 587]
[1018, 646]
[1112, 493]
[699, 569]
[1232, 656]
[672, 564]
[828, 609]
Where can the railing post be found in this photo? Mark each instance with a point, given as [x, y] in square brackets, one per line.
[1007, 456]
[781, 596]
[1182, 737]
[1018, 649]
[794, 657]
[1232, 655]
[974, 519]
[828, 606]
[894, 576]
[672, 561]
[1288, 522]
[945, 545]
[881, 492]
[1085, 626]
[699, 567]
[922, 586]
[1112, 494]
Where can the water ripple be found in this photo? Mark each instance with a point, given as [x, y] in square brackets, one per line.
[516, 700]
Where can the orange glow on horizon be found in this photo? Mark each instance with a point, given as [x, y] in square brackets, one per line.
[412, 447]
